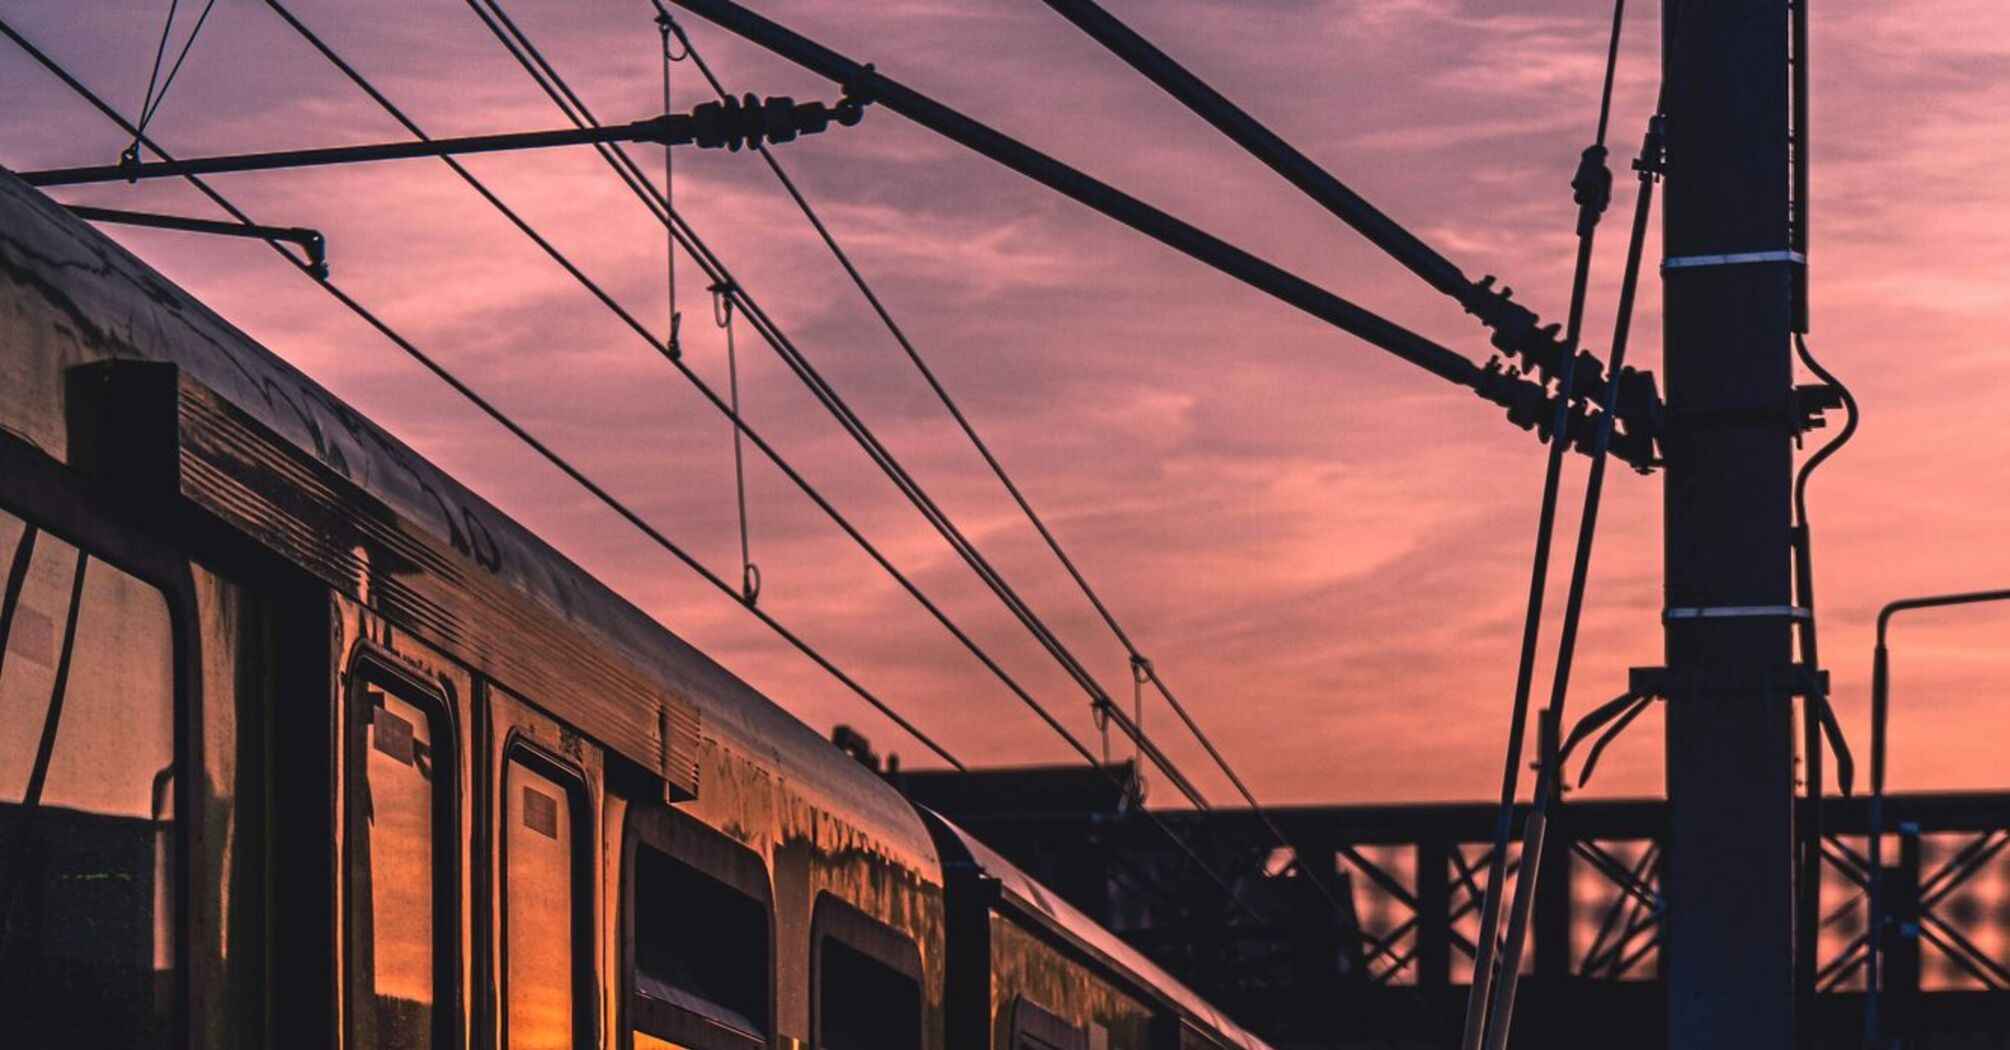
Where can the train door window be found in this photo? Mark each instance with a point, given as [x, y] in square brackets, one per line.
[544, 924]
[400, 771]
[1036, 1028]
[87, 799]
[699, 922]
[867, 983]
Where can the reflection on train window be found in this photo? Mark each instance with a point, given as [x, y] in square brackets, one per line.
[541, 911]
[701, 959]
[87, 810]
[1036, 1028]
[395, 879]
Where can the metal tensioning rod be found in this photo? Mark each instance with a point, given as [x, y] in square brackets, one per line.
[713, 125]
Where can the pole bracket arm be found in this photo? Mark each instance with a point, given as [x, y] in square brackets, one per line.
[311, 243]
[1811, 401]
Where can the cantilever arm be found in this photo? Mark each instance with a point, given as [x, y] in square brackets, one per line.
[727, 124]
[865, 82]
[1528, 403]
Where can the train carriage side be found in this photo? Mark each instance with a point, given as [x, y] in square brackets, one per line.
[1027, 971]
[302, 743]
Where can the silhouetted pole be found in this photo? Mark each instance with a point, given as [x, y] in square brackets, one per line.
[1728, 292]
[1880, 715]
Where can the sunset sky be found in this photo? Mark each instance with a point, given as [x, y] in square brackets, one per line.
[1324, 550]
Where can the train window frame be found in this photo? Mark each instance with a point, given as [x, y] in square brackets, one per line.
[55, 498]
[833, 919]
[729, 867]
[520, 750]
[370, 666]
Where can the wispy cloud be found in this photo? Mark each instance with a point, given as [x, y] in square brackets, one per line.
[1324, 550]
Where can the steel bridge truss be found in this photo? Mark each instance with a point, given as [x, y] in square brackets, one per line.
[1414, 876]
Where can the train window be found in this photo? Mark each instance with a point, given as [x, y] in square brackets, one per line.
[544, 926]
[867, 983]
[87, 799]
[701, 949]
[698, 920]
[397, 877]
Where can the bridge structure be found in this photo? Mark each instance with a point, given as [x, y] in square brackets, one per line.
[1396, 970]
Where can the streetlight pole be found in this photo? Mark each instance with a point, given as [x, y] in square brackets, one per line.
[1880, 711]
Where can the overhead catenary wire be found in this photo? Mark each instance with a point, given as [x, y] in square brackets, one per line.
[575, 108]
[1143, 669]
[546, 76]
[517, 430]
[711, 396]
[683, 368]
[522, 434]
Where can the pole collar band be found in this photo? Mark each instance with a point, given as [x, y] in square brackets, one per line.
[1736, 612]
[1688, 262]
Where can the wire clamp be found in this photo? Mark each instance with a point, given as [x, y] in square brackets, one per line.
[1691, 262]
[1735, 612]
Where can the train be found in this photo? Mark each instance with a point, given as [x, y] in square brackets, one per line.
[304, 744]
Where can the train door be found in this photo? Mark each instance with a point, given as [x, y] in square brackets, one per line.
[545, 792]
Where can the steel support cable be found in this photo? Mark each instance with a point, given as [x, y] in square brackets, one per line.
[722, 312]
[1592, 192]
[151, 104]
[1548, 783]
[675, 322]
[516, 430]
[1140, 663]
[547, 77]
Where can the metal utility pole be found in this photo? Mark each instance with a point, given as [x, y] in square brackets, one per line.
[1729, 288]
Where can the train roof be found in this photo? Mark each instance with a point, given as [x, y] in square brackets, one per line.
[71, 296]
[1026, 895]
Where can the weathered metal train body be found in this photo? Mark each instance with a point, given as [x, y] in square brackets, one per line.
[302, 743]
